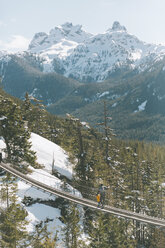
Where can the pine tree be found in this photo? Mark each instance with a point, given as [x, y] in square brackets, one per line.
[12, 219]
[72, 230]
[109, 232]
[81, 147]
[36, 116]
[108, 133]
[81, 153]
[42, 238]
[8, 182]
[27, 108]
[15, 134]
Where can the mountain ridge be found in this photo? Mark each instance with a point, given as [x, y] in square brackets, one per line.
[72, 52]
[94, 57]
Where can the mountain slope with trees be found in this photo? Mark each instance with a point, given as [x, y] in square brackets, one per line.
[135, 103]
[132, 171]
[23, 73]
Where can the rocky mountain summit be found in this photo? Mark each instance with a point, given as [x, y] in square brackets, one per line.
[72, 52]
[66, 32]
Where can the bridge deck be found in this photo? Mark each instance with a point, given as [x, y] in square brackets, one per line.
[85, 202]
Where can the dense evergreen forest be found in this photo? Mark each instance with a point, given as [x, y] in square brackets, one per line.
[132, 171]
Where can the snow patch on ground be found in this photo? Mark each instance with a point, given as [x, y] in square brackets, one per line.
[141, 107]
[114, 105]
[39, 212]
[46, 150]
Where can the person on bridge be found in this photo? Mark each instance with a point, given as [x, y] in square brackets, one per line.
[98, 198]
[101, 191]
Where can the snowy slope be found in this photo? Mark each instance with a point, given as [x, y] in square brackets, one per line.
[44, 150]
[88, 57]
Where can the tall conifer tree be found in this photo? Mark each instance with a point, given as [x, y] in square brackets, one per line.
[15, 133]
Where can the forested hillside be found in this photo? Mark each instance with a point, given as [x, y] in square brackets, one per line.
[134, 100]
[132, 171]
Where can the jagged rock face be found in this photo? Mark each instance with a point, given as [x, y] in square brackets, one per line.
[38, 40]
[116, 26]
[71, 51]
[74, 53]
[58, 39]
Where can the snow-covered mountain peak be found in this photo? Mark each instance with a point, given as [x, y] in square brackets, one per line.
[86, 57]
[66, 32]
[69, 32]
[68, 27]
[73, 52]
[117, 27]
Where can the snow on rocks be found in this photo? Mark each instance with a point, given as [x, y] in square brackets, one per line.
[86, 56]
[75, 53]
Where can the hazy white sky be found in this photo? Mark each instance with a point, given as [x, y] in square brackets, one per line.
[21, 19]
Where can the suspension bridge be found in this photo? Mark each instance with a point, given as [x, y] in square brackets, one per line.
[83, 201]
